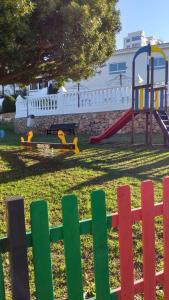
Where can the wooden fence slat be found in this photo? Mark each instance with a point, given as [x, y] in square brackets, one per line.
[148, 238]
[125, 243]
[17, 249]
[139, 285]
[71, 233]
[166, 236]
[2, 288]
[100, 247]
[41, 250]
[56, 233]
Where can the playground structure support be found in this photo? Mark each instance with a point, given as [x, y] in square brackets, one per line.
[149, 98]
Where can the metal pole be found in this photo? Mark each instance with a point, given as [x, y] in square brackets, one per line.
[147, 121]
[121, 80]
[27, 107]
[166, 93]
[14, 89]
[133, 100]
[147, 113]
[78, 88]
[151, 100]
[166, 85]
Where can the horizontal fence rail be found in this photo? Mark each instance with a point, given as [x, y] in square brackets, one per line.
[41, 237]
[107, 99]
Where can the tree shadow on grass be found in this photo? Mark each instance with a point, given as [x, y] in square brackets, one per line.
[17, 161]
[143, 170]
[136, 163]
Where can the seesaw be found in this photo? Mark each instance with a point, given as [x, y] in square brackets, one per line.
[63, 145]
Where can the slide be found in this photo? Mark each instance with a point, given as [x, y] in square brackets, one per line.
[120, 123]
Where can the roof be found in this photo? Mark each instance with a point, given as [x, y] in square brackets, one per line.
[134, 49]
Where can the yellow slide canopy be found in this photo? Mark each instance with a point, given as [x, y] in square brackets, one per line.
[155, 48]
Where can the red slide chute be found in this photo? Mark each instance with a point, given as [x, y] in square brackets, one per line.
[119, 124]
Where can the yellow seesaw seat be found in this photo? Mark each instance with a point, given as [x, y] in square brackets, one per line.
[63, 146]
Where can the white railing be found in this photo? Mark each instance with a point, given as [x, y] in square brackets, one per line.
[108, 99]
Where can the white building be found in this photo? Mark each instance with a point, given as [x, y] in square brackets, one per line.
[109, 90]
[40, 88]
[138, 39]
[116, 72]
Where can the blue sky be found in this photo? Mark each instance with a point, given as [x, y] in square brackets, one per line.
[148, 15]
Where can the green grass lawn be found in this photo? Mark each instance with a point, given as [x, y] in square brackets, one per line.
[49, 176]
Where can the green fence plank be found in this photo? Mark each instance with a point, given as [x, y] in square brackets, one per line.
[100, 247]
[2, 288]
[71, 233]
[41, 250]
[56, 233]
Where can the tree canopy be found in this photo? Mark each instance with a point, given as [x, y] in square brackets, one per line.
[55, 39]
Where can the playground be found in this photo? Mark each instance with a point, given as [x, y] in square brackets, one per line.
[79, 263]
[84, 150]
[107, 166]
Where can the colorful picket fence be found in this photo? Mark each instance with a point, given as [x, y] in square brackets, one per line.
[41, 238]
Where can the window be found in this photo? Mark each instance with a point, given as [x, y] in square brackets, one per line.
[136, 38]
[34, 86]
[159, 63]
[43, 84]
[127, 40]
[136, 45]
[117, 68]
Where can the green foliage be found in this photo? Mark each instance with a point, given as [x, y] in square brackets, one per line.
[55, 39]
[8, 104]
[52, 89]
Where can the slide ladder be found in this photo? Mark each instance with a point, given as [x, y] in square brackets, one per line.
[163, 121]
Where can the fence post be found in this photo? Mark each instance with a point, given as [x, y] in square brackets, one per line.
[72, 249]
[100, 247]
[17, 249]
[166, 236]
[125, 242]
[148, 238]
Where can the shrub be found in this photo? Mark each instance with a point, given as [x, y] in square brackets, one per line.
[52, 90]
[8, 104]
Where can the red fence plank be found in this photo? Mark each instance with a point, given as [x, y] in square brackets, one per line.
[139, 285]
[137, 214]
[125, 243]
[166, 236]
[148, 238]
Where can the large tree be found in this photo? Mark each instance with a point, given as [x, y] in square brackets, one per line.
[55, 39]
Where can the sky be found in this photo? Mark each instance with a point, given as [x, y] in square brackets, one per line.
[147, 15]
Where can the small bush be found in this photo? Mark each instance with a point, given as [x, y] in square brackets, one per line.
[52, 90]
[8, 104]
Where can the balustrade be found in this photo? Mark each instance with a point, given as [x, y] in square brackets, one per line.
[107, 99]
